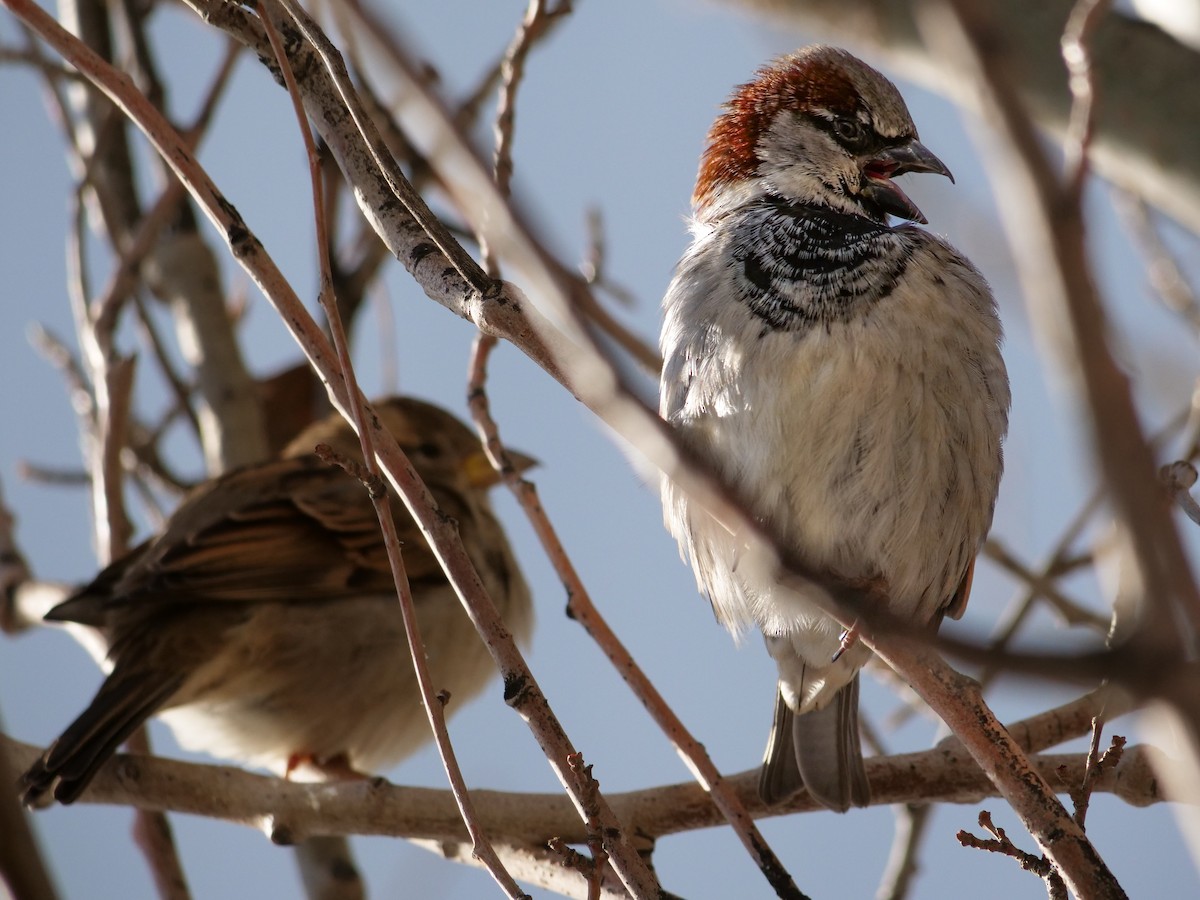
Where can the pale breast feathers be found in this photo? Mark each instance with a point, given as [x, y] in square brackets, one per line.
[860, 377]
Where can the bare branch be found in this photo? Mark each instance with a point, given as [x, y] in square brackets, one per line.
[288, 810]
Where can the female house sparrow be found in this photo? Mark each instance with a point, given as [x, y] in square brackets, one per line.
[263, 620]
[845, 375]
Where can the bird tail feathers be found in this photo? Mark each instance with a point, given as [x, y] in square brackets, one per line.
[820, 751]
[122, 704]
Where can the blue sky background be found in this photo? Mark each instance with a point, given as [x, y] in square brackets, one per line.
[613, 114]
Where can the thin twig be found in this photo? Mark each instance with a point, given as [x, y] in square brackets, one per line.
[54, 350]
[152, 339]
[1178, 478]
[593, 266]
[215, 93]
[1081, 791]
[538, 19]
[570, 858]
[23, 871]
[14, 572]
[1038, 865]
[912, 821]
[589, 788]
[512, 71]
[1166, 277]
[1007, 631]
[1072, 613]
[1076, 38]
[57, 477]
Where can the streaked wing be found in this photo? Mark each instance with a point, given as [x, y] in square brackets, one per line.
[292, 530]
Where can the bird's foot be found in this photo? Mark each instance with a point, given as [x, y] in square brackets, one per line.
[308, 767]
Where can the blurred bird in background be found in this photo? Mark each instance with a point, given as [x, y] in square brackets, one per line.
[263, 621]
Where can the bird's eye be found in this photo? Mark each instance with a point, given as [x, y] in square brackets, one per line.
[429, 450]
[850, 131]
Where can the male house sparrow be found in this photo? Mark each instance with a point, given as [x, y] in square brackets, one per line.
[843, 374]
[263, 620]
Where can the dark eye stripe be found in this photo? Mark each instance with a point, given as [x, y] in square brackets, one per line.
[868, 140]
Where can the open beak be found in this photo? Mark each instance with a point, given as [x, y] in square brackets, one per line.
[879, 170]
